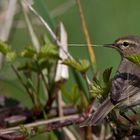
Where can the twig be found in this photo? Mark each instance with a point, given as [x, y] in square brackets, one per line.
[102, 133]
[38, 83]
[88, 82]
[43, 76]
[24, 85]
[10, 137]
[67, 110]
[60, 102]
[70, 135]
[67, 120]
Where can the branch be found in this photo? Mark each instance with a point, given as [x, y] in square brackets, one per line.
[49, 125]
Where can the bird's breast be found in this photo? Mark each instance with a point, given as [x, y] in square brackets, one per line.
[127, 66]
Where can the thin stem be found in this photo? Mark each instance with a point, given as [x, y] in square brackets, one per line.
[24, 85]
[88, 82]
[86, 34]
[38, 82]
[43, 77]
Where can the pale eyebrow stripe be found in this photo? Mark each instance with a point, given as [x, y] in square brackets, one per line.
[129, 41]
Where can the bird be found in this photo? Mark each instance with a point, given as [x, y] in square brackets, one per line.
[125, 85]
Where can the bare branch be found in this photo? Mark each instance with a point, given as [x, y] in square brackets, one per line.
[67, 120]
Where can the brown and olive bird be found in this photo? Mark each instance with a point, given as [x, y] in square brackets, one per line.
[125, 87]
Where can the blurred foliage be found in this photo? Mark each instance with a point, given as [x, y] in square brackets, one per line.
[134, 58]
[80, 65]
[106, 21]
[99, 89]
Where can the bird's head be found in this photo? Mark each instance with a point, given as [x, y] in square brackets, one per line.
[127, 45]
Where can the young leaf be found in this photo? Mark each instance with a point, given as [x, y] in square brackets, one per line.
[28, 52]
[96, 90]
[48, 52]
[106, 74]
[3, 48]
[11, 56]
[80, 65]
[73, 97]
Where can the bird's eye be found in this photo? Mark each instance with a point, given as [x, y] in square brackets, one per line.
[125, 44]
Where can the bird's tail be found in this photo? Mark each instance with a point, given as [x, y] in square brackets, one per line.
[97, 116]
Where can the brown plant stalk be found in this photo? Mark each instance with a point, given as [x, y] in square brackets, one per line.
[86, 34]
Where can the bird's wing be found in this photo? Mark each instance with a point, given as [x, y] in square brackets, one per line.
[98, 116]
[132, 88]
[123, 86]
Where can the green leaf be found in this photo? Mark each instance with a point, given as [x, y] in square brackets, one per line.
[75, 95]
[107, 74]
[96, 90]
[80, 83]
[46, 39]
[80, 65]
[11, 56]
[30, 66]
[4, 48]
[134, 58]
[48, 52]
[28, 52]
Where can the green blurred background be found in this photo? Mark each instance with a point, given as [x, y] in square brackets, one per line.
[106, 21]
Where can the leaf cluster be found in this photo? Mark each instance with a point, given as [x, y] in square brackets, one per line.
[100, 90]
[79, 65]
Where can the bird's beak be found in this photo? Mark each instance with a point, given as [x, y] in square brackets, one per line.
[109, 45]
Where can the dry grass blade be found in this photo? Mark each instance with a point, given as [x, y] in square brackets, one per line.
[86, 34]
[62, 70]
[69, 134]
[7, 24]
[33, 36]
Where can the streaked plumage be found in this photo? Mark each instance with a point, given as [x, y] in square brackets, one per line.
[125, 87]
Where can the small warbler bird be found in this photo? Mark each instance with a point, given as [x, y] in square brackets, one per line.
[125, 87]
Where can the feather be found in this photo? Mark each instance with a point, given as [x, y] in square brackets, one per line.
[98, 116]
